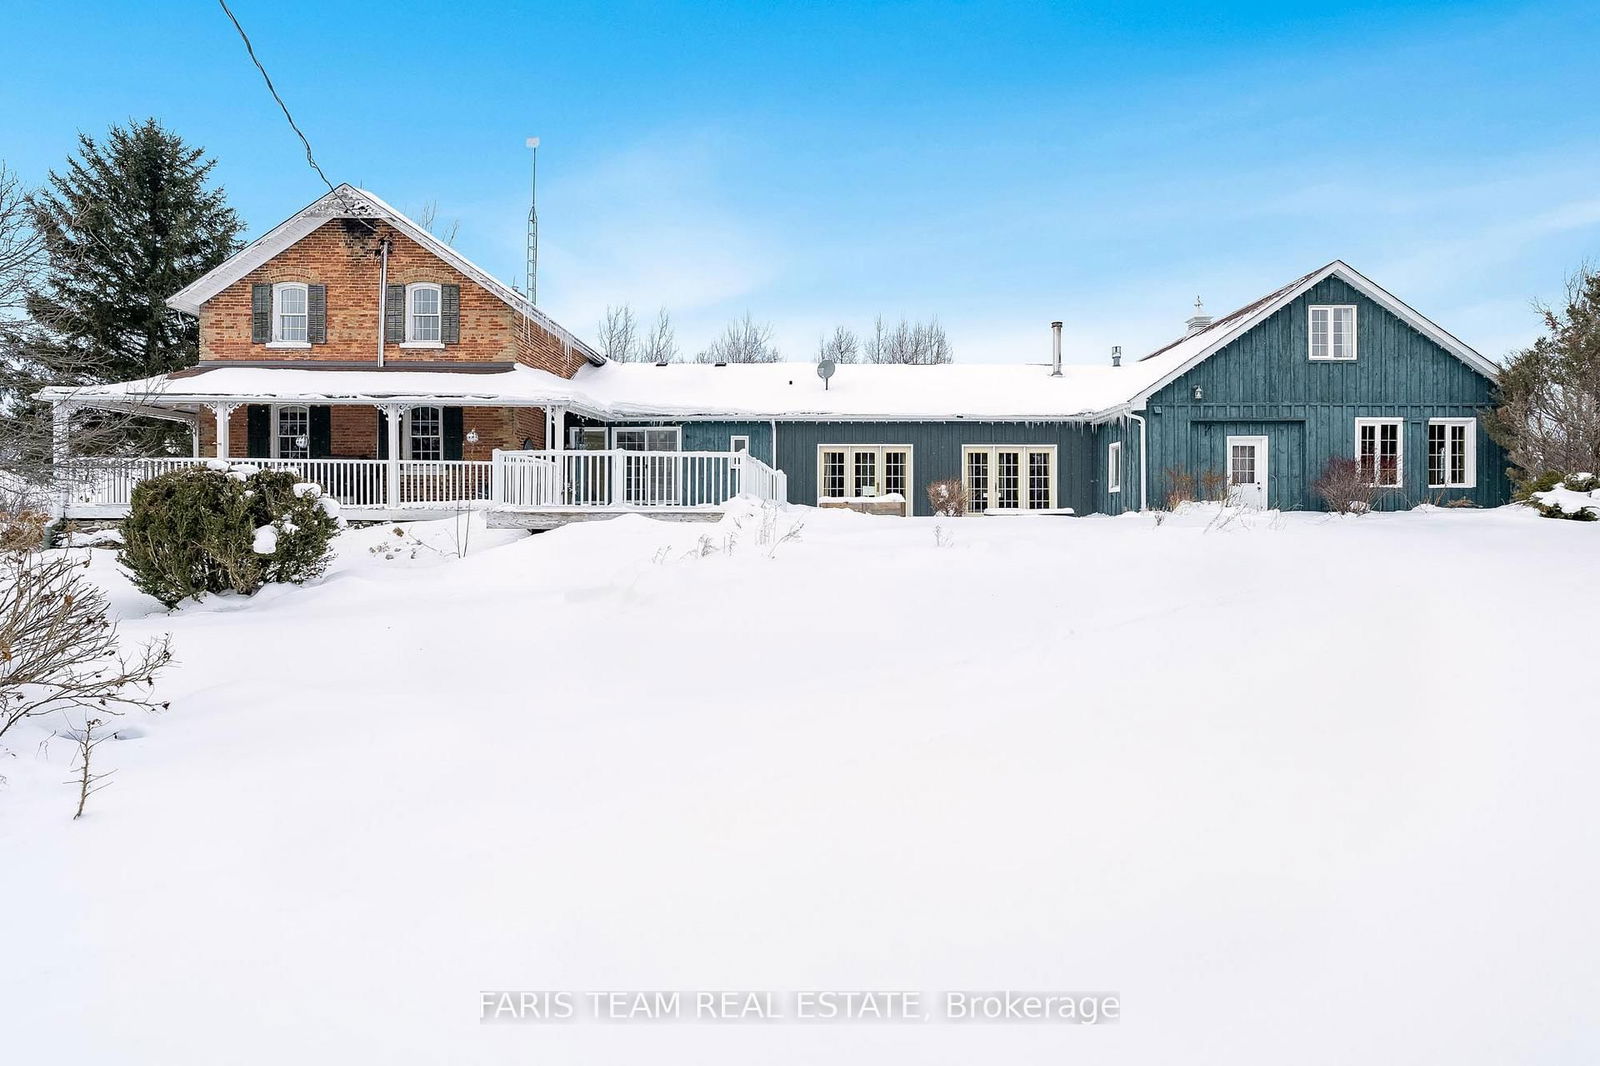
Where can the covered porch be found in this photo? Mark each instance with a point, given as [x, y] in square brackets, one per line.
[460, 440]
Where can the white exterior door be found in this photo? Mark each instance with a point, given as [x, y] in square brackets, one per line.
[1247, 472]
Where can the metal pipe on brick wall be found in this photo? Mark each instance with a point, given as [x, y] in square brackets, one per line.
[383, 294]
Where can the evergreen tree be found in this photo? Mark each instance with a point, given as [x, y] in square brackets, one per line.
[128, 224]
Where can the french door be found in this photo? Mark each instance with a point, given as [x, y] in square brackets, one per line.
[864, 472]
[1008, 477]
[652, 476]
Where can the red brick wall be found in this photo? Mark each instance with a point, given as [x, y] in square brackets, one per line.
[343, 255]
[354, 431]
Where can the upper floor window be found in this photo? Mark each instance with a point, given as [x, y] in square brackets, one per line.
[291, 313]
[1333, 332]
[423, 313]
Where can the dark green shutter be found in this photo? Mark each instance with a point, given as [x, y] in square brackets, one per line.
[394, 315]
[453, 433]
[383, 434]
[258, 426]
[317, 314]
[321, 432]
[450, 314]
[260, 314]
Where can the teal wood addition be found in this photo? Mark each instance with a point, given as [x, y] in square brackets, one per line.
[1265, 384]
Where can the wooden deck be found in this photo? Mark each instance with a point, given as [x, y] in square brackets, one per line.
[553, 517]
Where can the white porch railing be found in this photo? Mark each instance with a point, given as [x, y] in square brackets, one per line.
[103, 487]
[540, 480]
[534, 480]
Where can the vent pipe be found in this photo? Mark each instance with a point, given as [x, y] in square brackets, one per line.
[1116, 355]
[1055, 349]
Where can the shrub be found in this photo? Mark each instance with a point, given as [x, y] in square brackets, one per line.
[948, 497]
[1575, 492]
[1214, 485]
[22, 530]
[1180, 486]
[214, 528]
[1345, 487]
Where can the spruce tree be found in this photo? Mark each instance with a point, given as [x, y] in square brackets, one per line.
[130, 222]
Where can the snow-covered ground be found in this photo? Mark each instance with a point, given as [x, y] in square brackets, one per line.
[1299, 789]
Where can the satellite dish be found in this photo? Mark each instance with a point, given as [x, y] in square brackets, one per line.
[825, 371]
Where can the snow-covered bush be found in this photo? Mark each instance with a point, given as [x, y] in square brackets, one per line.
[1345, 487]
[948, 497]
[1575, 496]
[217, 528]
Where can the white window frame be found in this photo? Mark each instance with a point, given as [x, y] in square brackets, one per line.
[1311, 333]
[278, 340]
[880, 465]
[739, 442]
[1114, 467]
[1024, 492]
[1399, 449]
[407, 431]
[1470, 447]
[412, 339]
[277, 431]
[676, 431]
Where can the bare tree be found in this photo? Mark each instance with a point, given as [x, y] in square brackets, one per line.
[660, 344]
[920, 343]
[428, 219]
[84, 777]
[1547, 405]
[20, 246]
[59, 647]
[842, 346]
[619, 334]
[742, 341]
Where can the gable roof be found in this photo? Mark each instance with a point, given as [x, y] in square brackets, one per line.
[1176, 358]
[347, 201]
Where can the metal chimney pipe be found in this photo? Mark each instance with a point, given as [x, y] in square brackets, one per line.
[1116, 355]
[1055, 349]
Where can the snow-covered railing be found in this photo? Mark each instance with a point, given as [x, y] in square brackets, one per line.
[620, 478]
[103, 486]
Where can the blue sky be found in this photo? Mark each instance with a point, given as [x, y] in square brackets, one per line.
[997, 165]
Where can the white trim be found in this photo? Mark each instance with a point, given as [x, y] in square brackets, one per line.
[739, 442]
[1114, 467]
[1263, 463]
[406, 429]
[411, 338]
[1377, 439]
[676, 431]
[1471, 456]
[1332, 310]
[296, 346]
[1237, 328]
[276, 439]
[1024, 493]
[278, 289]
[880, 465]
[346, 201]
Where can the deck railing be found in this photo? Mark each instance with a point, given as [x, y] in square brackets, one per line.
[538, 480]
[527, 480]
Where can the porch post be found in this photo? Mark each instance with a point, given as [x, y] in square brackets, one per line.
[558, 425]
[223, 411]
[393, 413]
[60, 422]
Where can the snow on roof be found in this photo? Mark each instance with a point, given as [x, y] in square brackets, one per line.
[347, 201]
[680, 390]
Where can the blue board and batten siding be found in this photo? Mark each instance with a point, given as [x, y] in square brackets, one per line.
[1265, 384]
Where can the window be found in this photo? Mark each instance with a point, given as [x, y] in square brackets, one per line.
[738, 444]
[1009, 477]
[1242, 464]
[646, 439]
[291, 435]
[422, 314]
[425, 433]
[1333, 332]
[1380, 450]
[859, 471]
[291, 320]
[1452, 453]
[1114, 466]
